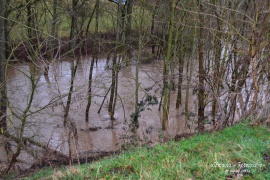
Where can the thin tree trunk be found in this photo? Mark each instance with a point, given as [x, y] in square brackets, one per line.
[113, 85]
[217, 75]
[89, 99]
[189, 77]
[166, 80]
[89, 93]
[128, 30]
[29, 19]
[201, 76]
[129, 17]
[52, 42]
[253, 58]
[112, 103]
[153, 27]
[75, 61]
[180, 76]
[172, 63]
[116, 86]
[3, 95]
[104, 99]
[137, 66]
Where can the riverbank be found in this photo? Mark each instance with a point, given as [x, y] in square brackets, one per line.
[241, 150]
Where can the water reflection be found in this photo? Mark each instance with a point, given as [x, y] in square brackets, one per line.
[98, 134]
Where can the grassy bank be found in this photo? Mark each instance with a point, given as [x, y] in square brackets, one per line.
[219, 155]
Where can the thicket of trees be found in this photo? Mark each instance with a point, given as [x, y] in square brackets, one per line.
[217, 49]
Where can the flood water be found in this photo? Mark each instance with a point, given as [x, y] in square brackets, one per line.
[45, 118]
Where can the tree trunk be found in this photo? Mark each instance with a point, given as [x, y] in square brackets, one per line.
[201, 76]
[52, 42]
[153, 27]
[180, 74]
[217, 75]
[166, 78]
[128, 30]
[75, 61]
[113, 89]
[3, 95]
[29, 19]
[113, 95]
[95, 53]
[173, 60]
[253, 58]
[137, 112]
[129, 8]
[189, 77]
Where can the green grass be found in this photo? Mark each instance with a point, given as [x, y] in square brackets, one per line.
[194, 158]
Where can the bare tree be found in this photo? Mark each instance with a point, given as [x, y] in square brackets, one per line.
[52, 39]
[95, 58]
[201, 87]
[3, 62]
[73, 36]
[115, 62]
[166, 75]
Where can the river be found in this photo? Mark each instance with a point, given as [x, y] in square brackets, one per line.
[45, 118]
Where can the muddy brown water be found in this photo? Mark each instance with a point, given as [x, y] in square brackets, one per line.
[45, 124]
